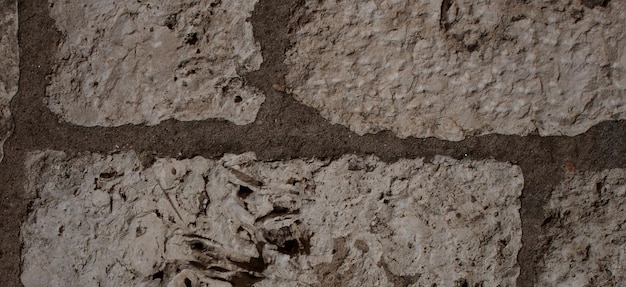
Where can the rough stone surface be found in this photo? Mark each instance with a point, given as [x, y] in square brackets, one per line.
[123, 220]
[142, 62]
[587, 231]
[9, 66]
[452, 69]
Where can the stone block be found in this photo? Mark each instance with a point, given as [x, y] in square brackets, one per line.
[143, 62]
[120, 220]
[453, 69]
[587, 231]
[9, 66]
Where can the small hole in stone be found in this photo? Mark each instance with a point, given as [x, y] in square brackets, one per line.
[191, 38]
[244, 191]
[107, 175]
[171, 21]
[291, 247]
[196, 245]
[187, 282]
[238, 99]
[218, 269]
[158, 275]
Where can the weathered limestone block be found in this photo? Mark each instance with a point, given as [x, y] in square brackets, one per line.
[142, 62]
[9, 66]
[452, 69]
[112, 221]
[587, 231]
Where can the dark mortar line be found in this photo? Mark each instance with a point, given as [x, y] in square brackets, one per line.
[284, 129]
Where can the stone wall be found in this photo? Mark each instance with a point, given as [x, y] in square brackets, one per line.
[313, 143]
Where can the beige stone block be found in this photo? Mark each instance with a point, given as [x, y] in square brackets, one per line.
[455, 69]
[143, 62]
[108, 220]
[587, 231]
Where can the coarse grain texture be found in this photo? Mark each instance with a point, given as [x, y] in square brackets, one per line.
[346, 222]
[142, 62]
[9, 66]
[586, 231]
[453, 69]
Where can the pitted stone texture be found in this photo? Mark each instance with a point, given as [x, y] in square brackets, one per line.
[453, 69]
[9, 66]
[142, 62]
[110, 221]
[587, 232]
